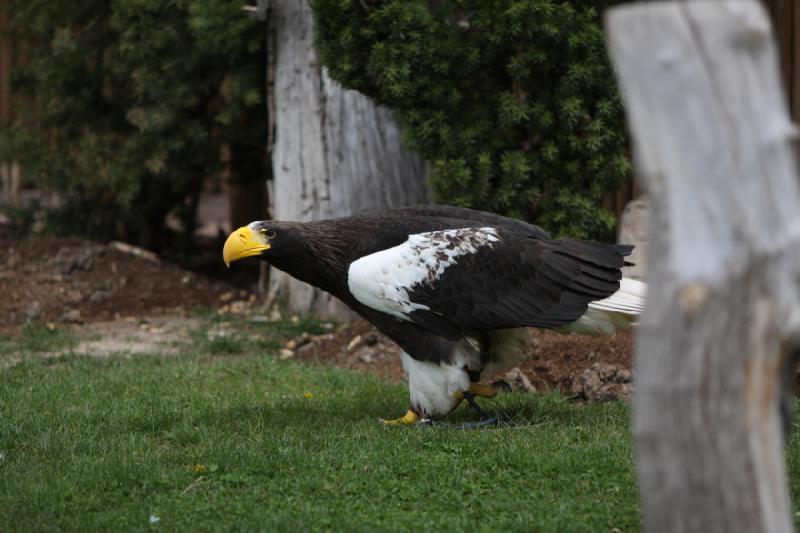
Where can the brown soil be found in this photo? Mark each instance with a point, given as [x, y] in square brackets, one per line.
[70, 280]
[591, 368]
[73, 280]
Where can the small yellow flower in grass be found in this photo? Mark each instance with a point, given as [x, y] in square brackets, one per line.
[200, 468]
[51, 326]
[308, 395]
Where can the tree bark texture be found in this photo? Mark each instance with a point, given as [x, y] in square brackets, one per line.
[713, 147]
[335, 153]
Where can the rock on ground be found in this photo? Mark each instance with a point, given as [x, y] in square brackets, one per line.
[603, 381]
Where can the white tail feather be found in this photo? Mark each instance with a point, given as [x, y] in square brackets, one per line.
[618, 312]
[628, 299]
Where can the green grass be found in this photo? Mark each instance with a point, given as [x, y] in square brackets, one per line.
[104, 444]
[246, 442]
[37, 337]
[243, 335]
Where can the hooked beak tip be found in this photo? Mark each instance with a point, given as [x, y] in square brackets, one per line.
[242, 243]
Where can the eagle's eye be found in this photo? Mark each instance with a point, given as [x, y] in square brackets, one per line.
[268, 232]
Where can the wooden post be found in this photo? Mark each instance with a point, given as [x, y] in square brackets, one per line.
[713, 147]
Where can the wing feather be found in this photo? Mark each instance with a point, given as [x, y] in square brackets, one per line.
[468, 280]
[521, 282]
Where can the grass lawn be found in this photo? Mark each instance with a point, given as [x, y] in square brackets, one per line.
[204, 441]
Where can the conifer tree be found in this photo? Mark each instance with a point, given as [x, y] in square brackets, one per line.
[124, 105]
[513, 101]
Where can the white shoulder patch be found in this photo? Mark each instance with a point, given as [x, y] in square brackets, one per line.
[382, 280]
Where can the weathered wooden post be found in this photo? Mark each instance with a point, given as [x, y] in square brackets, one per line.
[713, 146]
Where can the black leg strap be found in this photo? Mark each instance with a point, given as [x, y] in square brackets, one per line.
[472, 403]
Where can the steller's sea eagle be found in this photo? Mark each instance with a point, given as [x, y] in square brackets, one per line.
[454, 287]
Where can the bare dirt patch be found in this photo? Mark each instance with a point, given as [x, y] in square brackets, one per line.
[164, 335]
[71, 280]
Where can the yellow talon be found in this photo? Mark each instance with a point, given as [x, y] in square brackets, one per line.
[484, 391]
[476, 389]
[411, 418]
[408, 419]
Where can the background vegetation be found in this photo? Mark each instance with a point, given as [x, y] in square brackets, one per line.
[513, 101]
[124, 107]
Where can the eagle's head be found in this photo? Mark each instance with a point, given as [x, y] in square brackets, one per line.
[315, 252]
[261, 238]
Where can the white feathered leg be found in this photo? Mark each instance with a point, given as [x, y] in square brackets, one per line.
[433, 387]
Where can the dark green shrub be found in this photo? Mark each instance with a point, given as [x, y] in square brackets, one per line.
[125, 105]
[513, 101]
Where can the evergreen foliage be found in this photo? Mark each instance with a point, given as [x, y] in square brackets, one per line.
[513, 101]
[124, 105]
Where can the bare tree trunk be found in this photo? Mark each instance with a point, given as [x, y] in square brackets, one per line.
[10, 172]
[335, 152]
[713, 146]
[11, 179]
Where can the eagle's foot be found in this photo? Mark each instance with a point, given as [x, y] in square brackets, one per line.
[484, 391]
[486, 418]
[408, 419]
[475, 389]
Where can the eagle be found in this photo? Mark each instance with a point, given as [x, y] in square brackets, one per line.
[455, 288]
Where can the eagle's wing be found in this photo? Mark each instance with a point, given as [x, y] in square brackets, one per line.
[470, 280]
[471, 217]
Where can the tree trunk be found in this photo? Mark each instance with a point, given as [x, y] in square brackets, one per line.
[713, 146]
[10, 178]
[335, 152]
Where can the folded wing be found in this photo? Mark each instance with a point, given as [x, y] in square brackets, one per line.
[470, 280]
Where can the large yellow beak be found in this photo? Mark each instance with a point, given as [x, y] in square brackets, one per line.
[242, 243]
